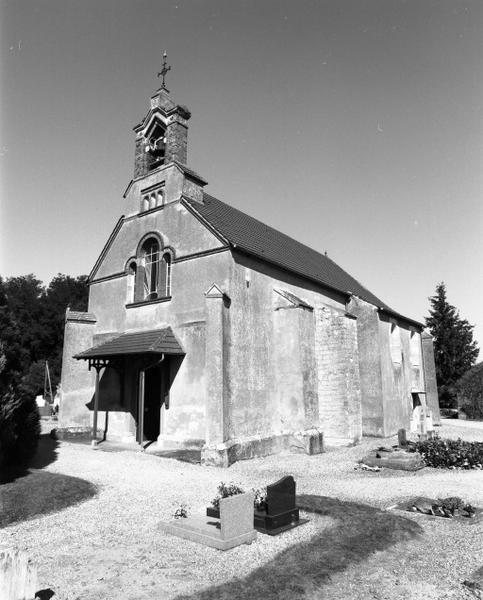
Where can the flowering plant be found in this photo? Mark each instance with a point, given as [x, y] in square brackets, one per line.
[225, 490]
[181, 512]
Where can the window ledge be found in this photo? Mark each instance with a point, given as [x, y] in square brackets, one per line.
[145, 302]
[151, 210]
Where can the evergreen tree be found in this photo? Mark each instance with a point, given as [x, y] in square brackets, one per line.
[455, 351]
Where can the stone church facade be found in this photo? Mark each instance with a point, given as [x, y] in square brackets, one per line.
[208, 329]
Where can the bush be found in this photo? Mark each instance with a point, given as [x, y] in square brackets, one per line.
[470, 392]
[450, 453]
[19, 428]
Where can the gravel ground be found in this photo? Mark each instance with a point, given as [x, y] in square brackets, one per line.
[109, 547]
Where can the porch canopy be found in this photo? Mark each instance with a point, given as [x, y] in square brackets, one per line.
[151, 342]
[147, 347]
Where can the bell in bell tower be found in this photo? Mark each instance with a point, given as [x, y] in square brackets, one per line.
[162, 136]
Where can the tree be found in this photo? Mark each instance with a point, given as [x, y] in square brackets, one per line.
[455, 351]
[63, 291]
[20, 325]
[470, 392]
[32, 325]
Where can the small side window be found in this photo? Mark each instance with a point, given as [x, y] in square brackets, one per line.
[395, 343]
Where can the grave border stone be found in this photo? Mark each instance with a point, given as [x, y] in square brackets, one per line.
[221, 533]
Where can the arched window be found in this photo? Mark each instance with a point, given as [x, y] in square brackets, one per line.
[150, 262]
[155, 145]
[395, 343]
[153, 272]
[131, 281]
[166, 274]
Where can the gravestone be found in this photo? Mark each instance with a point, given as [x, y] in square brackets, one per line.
[395, 459]
[234, 527]
[18, 577]
[281, 496]
[281, 512]
[401, 438]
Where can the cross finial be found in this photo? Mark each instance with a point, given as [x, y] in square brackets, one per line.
[163, 72]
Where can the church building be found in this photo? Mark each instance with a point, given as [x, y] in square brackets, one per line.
[207, 329]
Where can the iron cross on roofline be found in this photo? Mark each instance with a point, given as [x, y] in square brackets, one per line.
[163, 72]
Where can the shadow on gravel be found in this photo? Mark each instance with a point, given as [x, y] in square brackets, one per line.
[45, 455]
[190, 456]
[301, 569]
[40, 492]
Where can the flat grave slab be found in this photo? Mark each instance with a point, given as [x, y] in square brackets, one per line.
[394, 459]
[425, 503]
[234, 527]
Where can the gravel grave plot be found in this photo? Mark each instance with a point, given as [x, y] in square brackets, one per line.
[109, 547]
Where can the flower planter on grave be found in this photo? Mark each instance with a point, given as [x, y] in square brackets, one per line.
[280, 514]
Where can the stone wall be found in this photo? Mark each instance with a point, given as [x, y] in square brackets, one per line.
[429, 368]
[176, 142]
[338, 380]
[369, 366]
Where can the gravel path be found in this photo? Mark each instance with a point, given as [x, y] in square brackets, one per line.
[109, 547]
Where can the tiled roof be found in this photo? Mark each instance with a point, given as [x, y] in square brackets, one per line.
[187, 171]
[157, 341]
[254, 237]
[74, 315]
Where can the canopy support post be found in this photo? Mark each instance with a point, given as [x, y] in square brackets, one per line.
[142, 374]
[98, 364]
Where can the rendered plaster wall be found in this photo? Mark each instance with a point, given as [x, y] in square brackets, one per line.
[273, 387]
[169, 176]
[172, 223]
[369, 366]
[184, 422]
[396, 375]
[391, 368]
[218, 380]
[430, 376]
[338, 380]
[77, 382]
[294, 396]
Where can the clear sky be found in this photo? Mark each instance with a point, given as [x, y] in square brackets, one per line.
[354, 126]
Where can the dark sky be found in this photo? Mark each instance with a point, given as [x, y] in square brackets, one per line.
[355, 126]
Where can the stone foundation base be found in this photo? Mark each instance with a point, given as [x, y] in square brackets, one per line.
[336, 442]
[165, 442]
[81, 433]
[227, 453]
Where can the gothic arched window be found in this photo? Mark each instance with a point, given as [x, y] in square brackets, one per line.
[150, 262]
[131, 281]
[166, 274]
[153, 273]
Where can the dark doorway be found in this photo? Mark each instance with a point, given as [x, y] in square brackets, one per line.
[152, 403]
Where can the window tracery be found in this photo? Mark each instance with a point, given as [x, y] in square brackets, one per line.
[149, 276]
